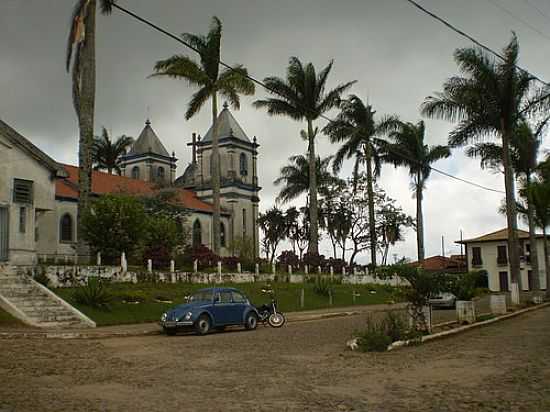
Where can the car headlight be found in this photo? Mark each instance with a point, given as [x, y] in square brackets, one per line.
[164, 317]
[188, 315]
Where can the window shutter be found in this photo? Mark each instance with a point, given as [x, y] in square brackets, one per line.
[22, 191]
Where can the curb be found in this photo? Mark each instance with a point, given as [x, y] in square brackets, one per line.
[94, 334]
[99, 335]
[461, 329]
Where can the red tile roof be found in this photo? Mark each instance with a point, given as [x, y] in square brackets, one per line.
[437, 263]
[104, 183]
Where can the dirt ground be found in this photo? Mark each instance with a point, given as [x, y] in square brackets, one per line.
[301, 367]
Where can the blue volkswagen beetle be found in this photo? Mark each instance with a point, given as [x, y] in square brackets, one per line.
[212, 308]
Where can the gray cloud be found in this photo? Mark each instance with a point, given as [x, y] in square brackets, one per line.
[397, 55]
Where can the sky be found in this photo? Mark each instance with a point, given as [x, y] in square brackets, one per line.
[397, 55]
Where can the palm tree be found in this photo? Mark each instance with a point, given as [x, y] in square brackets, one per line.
[488, 102]
[296, 181]
[106, 154]
[524, 148]
[407, 148]
[229, 83]
[302, 96]
[538, 194]
[81, 62]
[356, 128]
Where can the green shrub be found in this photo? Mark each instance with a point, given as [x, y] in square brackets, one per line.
[374, 338]
[395, 326]
[41, 278]
[94, 294]
[463, 286]
[323, 286]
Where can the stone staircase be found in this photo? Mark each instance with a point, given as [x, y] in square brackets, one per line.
[34, 304]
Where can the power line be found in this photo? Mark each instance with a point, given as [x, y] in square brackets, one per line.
[521, 20]
[472, 39]
[539, 10]
[262, 84]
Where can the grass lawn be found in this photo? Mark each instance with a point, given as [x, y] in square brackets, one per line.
[288, 296]
[8, 321]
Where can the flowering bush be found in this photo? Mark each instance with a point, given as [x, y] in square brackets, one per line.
[288, 257]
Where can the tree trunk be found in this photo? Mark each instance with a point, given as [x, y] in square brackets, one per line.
[86, 124]
[533, 254]
[313, 246]
[419, 219]
[370, 193]
[511, 211]
[546, 257]
[216, 220]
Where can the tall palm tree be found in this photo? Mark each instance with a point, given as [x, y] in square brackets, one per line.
[488, 102]
[356, 129]
[407, 148]
[106, 153]
[538, 194]
[524, 148]
[296, 181]
[207, 76]
[303, 96]
[81, 62]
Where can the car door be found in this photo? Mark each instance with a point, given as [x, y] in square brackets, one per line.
[224, 312]
[240, 304]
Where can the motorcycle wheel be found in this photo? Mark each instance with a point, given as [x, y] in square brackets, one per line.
[276, 320]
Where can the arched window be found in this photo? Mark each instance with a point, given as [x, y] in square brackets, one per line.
[160, 173]
[135, 172]
[243, 163]
[222, 234]
[197, 233]
[66, 228]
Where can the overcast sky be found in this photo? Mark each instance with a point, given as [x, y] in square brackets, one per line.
[398, 56]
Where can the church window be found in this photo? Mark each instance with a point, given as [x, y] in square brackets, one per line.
[222, 234]
[160, 173]
[66, 228]
[243, 163]
[197, 234]
[135, 172]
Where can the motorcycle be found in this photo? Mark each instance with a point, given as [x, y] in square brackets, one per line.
[269, 313]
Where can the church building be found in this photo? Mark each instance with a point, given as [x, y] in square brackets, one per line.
[38, 196]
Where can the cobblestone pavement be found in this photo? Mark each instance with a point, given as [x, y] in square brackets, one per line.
[300, 367]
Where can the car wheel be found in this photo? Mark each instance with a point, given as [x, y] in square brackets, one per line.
[203, 324]
[251, 321]
[170, 331]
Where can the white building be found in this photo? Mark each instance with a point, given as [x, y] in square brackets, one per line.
[38, 196]
[490, 252]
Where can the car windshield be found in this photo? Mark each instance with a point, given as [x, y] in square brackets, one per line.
[201, 296]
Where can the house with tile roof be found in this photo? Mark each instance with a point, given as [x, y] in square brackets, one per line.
[489, 252]
[38, 196]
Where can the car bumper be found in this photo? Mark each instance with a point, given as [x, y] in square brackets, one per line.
[170, 324]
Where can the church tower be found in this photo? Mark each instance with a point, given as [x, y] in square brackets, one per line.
[148, 159]
[238, 176]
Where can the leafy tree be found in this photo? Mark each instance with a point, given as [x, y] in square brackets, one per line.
[106, 154]
[302, 96]
[391, 223]
[356, 129]
[407, 148]
[524, 149]
[295, 178]
[81, 62]
[537, 194]
[488, 102]
[336, 219]
[164, 239]
[116, 224]
[229, 83]
[273, 226]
